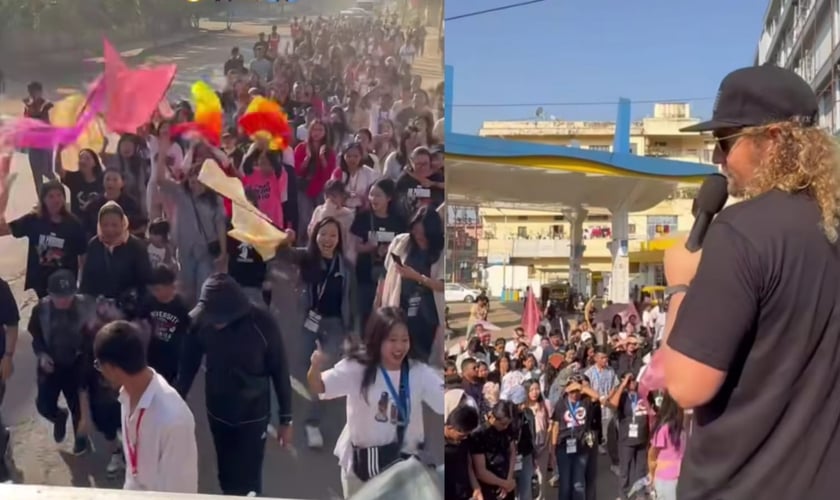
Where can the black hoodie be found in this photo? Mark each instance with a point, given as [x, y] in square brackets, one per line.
[245, 354]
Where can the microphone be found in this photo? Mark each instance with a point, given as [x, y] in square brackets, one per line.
[709, 201]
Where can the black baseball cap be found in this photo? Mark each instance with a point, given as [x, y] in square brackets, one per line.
[759, 95]
[61, 283]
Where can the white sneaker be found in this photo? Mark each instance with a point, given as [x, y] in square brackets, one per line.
[314, 439]
[115, 464]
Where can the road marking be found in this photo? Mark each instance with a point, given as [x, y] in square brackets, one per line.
[301, 389]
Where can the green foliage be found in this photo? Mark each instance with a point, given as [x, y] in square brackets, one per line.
[80, 17]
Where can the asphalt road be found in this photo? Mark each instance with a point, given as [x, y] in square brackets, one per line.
[304, 474]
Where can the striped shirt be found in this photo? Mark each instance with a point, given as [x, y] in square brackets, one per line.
[603, 381]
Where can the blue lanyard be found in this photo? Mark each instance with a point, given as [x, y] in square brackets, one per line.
[634, 404]
[404, 406]
[573, 413]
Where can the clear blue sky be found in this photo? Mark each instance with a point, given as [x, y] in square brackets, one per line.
[562, 51]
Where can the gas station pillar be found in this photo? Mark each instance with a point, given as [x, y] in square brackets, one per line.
[619, 287]
[576, 217]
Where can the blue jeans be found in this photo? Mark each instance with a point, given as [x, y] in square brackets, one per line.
[523, 478]
[665, 489]
[194, 270]
[571, 469]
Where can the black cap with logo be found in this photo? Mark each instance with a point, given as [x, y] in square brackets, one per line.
[760, 95]
[61, 283]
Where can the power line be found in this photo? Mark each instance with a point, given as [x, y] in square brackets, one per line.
[494, 9]
[591, 103]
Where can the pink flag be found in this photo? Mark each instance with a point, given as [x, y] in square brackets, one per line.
[30, 133]
[133, 94]
[531, 314]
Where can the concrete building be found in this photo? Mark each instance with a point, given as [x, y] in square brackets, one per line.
[658, 136]
[804, 35]
[541, 240]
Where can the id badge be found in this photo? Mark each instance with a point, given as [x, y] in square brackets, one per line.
[313, 322]
[633, 431]
[413, 306]
[518, 464]
[422, 193]
[571, 446]
[384, 236]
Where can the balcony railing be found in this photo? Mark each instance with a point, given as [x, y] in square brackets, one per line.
[542, 248]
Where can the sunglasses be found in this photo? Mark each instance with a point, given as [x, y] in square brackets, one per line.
[727, 142]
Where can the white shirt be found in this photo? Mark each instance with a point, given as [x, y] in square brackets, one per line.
[373, 422]
[358, 185]
[167, 454]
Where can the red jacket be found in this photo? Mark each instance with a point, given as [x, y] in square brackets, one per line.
[322, 174]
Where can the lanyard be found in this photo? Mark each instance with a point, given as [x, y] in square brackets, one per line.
[573, 413]
[323, 286]
[132, 450]
[634, 404]
[403, 398]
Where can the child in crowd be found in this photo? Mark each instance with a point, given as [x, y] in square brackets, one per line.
[161, 250]
[166, 318]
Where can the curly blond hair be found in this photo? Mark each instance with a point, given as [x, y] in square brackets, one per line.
[800, 159]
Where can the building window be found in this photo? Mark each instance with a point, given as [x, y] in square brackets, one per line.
[599, 147]
[557, 231]
[661, 225]
[659, 275]
[521, 232]
[631, 229]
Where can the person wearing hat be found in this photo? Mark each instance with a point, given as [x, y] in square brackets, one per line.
[574, 429]
[245, 355]
[59, 325]
[765, 278]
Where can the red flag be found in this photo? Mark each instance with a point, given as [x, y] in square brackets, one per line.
[133, 94]
[531, 315]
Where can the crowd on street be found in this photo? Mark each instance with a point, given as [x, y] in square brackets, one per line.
[140, 283]
[530, 414]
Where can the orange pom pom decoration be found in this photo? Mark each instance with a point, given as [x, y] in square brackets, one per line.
[265, 119]
[208, 115]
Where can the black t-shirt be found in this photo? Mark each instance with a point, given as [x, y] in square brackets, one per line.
[52, 246]
[418, 302]
[411, 195]
[82, 191]
[237, 63]
[9, 315]
[764, 307]
[629, 363]
[632, 420]
[169, 323]
[371, 266]
[456, 462]
[495, 446]
[329, 290]
[584, 418]
[245, 264]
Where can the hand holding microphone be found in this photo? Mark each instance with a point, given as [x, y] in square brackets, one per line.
[681, 260]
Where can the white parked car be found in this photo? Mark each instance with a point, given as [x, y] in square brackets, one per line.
[355, 12]
[459, 293]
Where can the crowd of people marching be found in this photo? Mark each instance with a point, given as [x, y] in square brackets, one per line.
[525, 414]
[139, 281]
